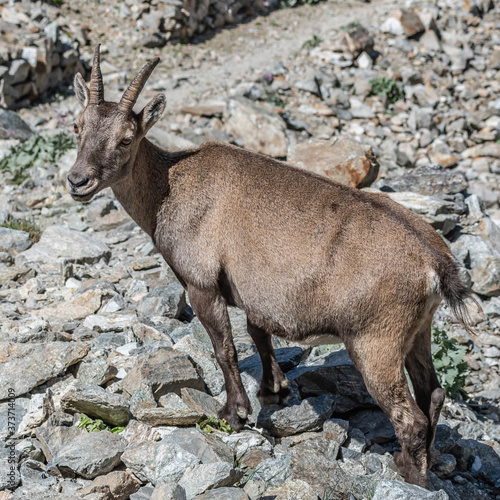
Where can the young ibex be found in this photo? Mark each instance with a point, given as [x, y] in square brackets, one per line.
[305, 258]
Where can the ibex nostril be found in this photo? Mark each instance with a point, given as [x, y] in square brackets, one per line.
[76, 183]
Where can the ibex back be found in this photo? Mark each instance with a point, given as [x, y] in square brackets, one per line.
[307, 259]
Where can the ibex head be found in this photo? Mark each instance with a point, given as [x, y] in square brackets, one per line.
[109, 133]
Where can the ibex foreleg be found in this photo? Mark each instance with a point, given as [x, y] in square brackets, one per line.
[211, 310]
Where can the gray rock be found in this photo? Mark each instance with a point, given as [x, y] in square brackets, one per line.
[169, 301]
[59, 245]
[223, 494]
[53, 438]
[90, 454]
[13, 127]
[204, 357]
[486, 464]
[158, 461]
[13, 240]
[144, 493]
[170, 491]
[168, 371]
[203, 477]
[309, 415]
[95, 402]
[428, 180]
[287, 357]
[27, 366]
[336, 429]
[484, 261]
[207, 448]
[356, 441]
[374, 424]
[275, 471]
[9, 469]
[437, 212]
[242, 442]
[313, 461]
[338, 377]
[95, 371]
[256, 127]
[173, 411]
[202, 402]
[292, 489]
[397, 490]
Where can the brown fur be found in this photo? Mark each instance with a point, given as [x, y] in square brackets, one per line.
[302, 256]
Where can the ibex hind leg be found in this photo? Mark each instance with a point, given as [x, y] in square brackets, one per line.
[211, 310]
[428, 392]
[274, 385]
[381, 363]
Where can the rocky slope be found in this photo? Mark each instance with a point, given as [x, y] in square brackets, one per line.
[93, 322]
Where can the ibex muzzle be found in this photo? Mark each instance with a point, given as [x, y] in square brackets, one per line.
[306, 258]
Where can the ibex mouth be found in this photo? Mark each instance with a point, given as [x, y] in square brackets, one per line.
[87, 194]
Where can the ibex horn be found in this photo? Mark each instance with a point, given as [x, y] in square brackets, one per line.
[96, 86]
[130, 95]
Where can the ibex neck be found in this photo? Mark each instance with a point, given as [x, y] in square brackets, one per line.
[142, 192]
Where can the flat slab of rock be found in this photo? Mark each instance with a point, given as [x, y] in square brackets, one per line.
[52, 439]
[74, 309]
[309, 415]
[155, 462]
[90, 454]
[203, 477]
[223, 494]
[337, 377]
[173, 411]
[60, 244]
[256, 128]
[346, 161]
[428, 180]
[14, 240]
[200, 402]
[95, 402]
[170, 490]
[397, 490]
[118, 485]
[207, 448]
[168, 370]
[26, 366]
[292, 488]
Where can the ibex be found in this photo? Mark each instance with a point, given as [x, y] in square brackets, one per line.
[307, 259]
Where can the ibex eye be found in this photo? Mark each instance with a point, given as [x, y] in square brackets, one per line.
[75, 128]
[127, 141]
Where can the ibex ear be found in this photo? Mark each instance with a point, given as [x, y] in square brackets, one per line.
[152, 112]
[81, 90]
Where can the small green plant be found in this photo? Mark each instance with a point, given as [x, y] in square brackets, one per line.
[214, 424]
[313, 42]
[274, 99]
[386, 86]
[351, 26]
[36, 150]
[96, 425]
[27, 225]
[448, 356]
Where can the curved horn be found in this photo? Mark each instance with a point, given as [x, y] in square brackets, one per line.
[96, 86]
[130, 95]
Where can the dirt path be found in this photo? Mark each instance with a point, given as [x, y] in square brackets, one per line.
[190, 71]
